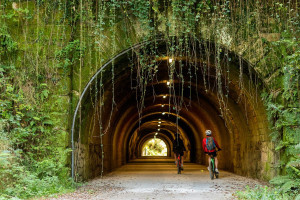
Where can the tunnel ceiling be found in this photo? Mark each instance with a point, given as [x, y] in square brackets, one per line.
[124, 111]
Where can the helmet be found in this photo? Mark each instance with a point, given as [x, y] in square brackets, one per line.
[208, 132]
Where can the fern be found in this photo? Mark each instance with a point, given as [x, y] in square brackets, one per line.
[286, 183]
[265, 193]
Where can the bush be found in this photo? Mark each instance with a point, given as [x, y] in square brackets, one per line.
[45, 178]
[265, 193]
[31, 159]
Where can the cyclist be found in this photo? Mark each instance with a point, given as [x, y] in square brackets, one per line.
[178, 148]
[209, 145]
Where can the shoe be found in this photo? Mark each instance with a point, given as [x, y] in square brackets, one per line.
[182, 168]
[208, 168]
[217, 171]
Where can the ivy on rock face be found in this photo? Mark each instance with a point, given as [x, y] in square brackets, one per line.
[284, 116]
[30, 155]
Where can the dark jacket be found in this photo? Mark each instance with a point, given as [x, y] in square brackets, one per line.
[178, 146]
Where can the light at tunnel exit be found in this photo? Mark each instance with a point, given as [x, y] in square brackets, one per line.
[154, 147]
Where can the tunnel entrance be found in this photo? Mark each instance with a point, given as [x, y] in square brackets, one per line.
[172, 94]
[154, 147]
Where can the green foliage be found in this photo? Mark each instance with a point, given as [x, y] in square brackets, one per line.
[287, 183]
[31, 138]
[7, 44]
[46, 179]
[284, 116]
[265, 193]
[30, 162]
[69, 55]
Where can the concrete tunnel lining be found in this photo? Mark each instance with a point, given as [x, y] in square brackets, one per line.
[190, 126]
[200, 116]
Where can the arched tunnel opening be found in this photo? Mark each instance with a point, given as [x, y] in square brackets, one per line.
[154, 146]
[117, 114]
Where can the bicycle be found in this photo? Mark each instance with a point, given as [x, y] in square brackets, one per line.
[179, 157]
[212, 168]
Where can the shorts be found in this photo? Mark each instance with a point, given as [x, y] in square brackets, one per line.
[214, 154]
[181, 153]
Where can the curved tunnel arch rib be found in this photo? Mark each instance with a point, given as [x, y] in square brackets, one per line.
[200, 111]
[168, 130]
[200, 125]
[195, 128]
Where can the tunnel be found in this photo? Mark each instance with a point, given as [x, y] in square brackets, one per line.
[125, 104]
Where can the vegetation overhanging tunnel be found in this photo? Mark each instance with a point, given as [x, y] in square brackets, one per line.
[84, 84]
[117, 117]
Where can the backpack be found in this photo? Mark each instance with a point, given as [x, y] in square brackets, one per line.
[210, 143]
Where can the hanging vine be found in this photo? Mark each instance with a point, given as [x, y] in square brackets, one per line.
[44, 43]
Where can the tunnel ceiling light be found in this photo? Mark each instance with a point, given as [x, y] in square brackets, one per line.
[158, 129]
[162, 105]
[156, 133]
[164, 96]
[158, 125]
[159, 119]
[170, 60]
[163, 113]
[168, 82]
[159, 122]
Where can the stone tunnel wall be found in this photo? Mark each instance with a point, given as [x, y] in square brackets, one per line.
[69, 86]
[253, 53]
[247, 149]
[257, 129]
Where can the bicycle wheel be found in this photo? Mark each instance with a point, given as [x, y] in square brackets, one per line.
[178, 165]
[214, 170]
[211, 170]
[217, 174]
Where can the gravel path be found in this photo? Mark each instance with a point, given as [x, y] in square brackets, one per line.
[160, 181]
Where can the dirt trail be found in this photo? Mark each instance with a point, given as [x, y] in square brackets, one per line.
[160, 181]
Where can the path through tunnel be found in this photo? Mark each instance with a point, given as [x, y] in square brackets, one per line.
[120, 111]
